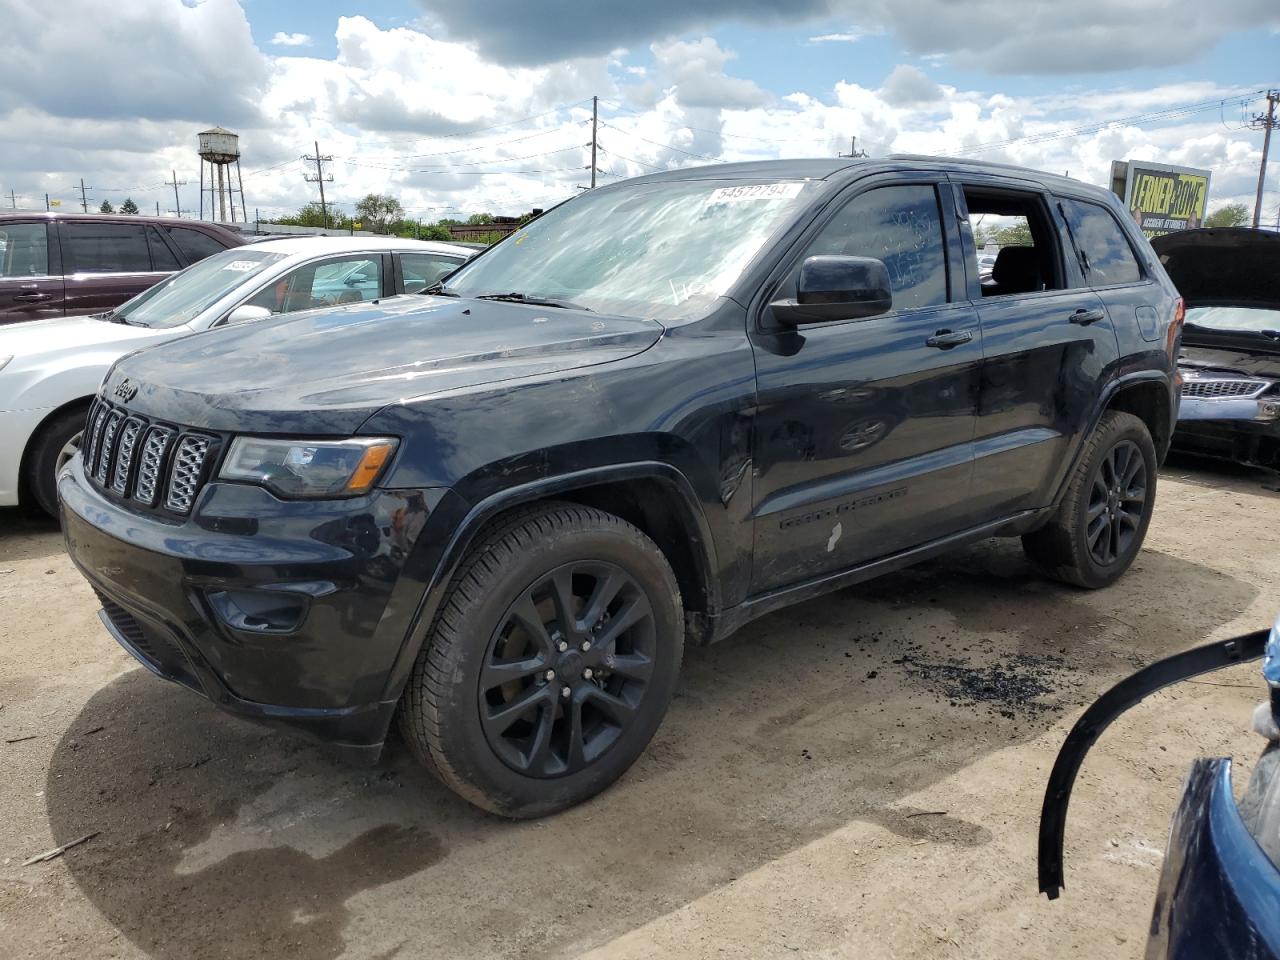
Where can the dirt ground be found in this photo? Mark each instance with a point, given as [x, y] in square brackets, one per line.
[857, 777]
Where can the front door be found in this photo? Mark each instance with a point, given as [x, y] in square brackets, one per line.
[864, 427]
[30, 287]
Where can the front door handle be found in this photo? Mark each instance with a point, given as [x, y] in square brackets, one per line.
[33, 297]
[1085, 317]
[946, 339]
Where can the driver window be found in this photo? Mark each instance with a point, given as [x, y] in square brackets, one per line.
[327, 284]
[901, 226]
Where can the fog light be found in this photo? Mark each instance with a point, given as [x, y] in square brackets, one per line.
[1268, 410]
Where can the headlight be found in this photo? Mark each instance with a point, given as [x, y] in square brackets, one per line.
[1268, 409]
[309, 468]
[5, 360]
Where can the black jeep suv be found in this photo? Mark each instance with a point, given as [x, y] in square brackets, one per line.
[498, 511]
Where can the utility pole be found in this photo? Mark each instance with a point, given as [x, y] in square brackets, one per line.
[157, 208]
[46, 202]
[595, 123]
[320, 178]
[854, 153]
[13, 200]
[176, 183]
[1267, 123]
[84, 201]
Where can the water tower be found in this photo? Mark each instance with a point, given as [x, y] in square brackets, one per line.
[220, 152]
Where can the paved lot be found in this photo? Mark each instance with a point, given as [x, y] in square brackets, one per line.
[857, 777]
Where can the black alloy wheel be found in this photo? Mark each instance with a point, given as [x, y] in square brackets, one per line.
[1117, 502]
[566, 669]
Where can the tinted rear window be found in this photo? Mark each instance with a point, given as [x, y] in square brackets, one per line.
[1104, 249]
[194, 244]
[89, 247]
[24, 250]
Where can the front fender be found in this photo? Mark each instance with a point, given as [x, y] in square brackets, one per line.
[437, 560]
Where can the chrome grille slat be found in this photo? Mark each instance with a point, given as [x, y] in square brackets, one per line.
[124, 456]
[1224, 389]
[151, 466]
[107, 445]
[95, 434]
[184, 479]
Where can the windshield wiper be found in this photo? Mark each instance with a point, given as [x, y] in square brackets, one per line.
[533, 301]
[437, 290]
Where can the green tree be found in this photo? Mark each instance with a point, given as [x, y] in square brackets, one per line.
[128, 206]
[378, 211]
[106, 207]
[436, 231]
[1231, 215]
[477, 219]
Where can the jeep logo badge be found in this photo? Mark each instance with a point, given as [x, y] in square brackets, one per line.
[126, 390]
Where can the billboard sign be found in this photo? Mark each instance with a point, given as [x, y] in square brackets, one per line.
[1160, 197]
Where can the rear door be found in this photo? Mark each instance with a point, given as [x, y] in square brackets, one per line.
[864, 430]
[193, 244]
[1046, 353]
[104, 263]
[30, 280]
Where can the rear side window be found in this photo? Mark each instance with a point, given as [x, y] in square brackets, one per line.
[24, 250]
[1105, 252]
[194, 244]
[423, 269]
[162, 257]
[900, 226]
[89, 247]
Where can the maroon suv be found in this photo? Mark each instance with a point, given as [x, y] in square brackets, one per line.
[62, 264]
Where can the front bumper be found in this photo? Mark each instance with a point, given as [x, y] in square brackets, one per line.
[1207, 428]
[289, 612]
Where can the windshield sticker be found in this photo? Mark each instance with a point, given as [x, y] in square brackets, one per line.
[240, 266]
[756, 191]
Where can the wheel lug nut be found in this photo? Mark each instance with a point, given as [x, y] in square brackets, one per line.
[565, 692]
[562, 646]
[587, 674]
[586, 645]
[550, 675]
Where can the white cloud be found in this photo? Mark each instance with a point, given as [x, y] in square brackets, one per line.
[908, 85]
[851, 37]
[282, 39]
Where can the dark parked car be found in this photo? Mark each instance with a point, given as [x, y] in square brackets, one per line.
[1219, 892]
[64, 264]
[1230, 362]
[658, 411]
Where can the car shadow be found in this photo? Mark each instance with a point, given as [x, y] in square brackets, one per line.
[28, 535]
[218, 838]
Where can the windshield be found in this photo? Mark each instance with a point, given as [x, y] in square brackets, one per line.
[185, 295]
[1234, 319]
[664, 250]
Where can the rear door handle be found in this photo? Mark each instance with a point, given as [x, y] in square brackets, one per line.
[33, 297]
[946, 339]
[1085, 317]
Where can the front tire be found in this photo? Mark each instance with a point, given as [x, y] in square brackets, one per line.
[57, 442]
[550, 664]
[1103, 519]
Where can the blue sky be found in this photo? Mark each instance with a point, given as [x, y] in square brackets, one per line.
[429, 101]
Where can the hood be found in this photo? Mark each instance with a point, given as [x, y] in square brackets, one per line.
[1223, 266]
[70, 333]
[1251, 363]
[326, 372]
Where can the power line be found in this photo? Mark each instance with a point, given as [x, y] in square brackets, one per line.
[667, 146]
[1134, 120]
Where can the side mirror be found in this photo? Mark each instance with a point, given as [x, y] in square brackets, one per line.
[837, 288]
[246, 313]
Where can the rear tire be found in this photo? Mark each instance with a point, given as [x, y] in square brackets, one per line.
[1103, 519]
[550, 664]
[57, 442]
